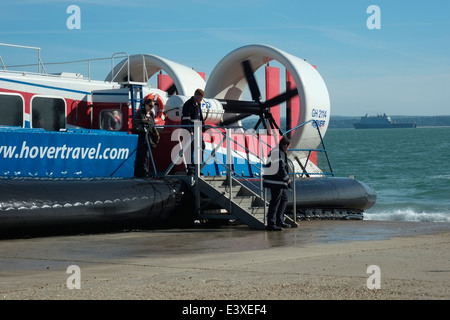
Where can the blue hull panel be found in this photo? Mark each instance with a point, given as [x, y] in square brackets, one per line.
[79, 153]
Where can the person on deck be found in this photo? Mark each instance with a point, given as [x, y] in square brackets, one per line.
[277, 179]
[143, 124]
[192, 111]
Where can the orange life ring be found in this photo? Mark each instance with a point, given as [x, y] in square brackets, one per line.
[159, 116]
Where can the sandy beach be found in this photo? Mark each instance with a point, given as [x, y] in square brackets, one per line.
[335, 260]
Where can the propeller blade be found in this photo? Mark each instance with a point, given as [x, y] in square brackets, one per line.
[172, 89]
[251, 80]
[280, 98]
[238, 106]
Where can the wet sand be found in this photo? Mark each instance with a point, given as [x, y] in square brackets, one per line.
[318, 260]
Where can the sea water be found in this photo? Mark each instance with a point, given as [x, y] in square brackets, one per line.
[408, 168]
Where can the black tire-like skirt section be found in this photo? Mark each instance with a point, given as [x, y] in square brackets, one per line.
[60, 206]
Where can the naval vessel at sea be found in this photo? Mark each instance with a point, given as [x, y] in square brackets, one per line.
[381, 122]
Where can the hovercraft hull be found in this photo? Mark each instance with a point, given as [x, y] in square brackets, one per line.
[327, 198]
[55, 205]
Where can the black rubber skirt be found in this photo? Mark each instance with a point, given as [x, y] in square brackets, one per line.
[55, 205]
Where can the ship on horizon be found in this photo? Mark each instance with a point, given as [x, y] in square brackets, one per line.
[382, 122]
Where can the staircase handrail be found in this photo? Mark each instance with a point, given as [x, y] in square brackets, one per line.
[324, 150]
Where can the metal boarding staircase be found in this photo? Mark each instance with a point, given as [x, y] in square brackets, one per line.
[237, 202]
[227, 197]
[222, 201]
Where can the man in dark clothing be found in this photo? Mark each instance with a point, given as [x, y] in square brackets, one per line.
[276, 178]
[143, 124]
[192, 111]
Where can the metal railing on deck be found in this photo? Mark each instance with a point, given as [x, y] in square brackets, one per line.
[39, 64]
[42, 70]
[231, 154]
[306, 149]
[294, 190]
[230, 172]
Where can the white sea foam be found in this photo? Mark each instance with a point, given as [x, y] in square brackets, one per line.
[408, 215]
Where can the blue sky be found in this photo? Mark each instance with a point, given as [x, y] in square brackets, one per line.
[401, 69]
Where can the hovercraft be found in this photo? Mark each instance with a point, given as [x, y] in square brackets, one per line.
[67, 153]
